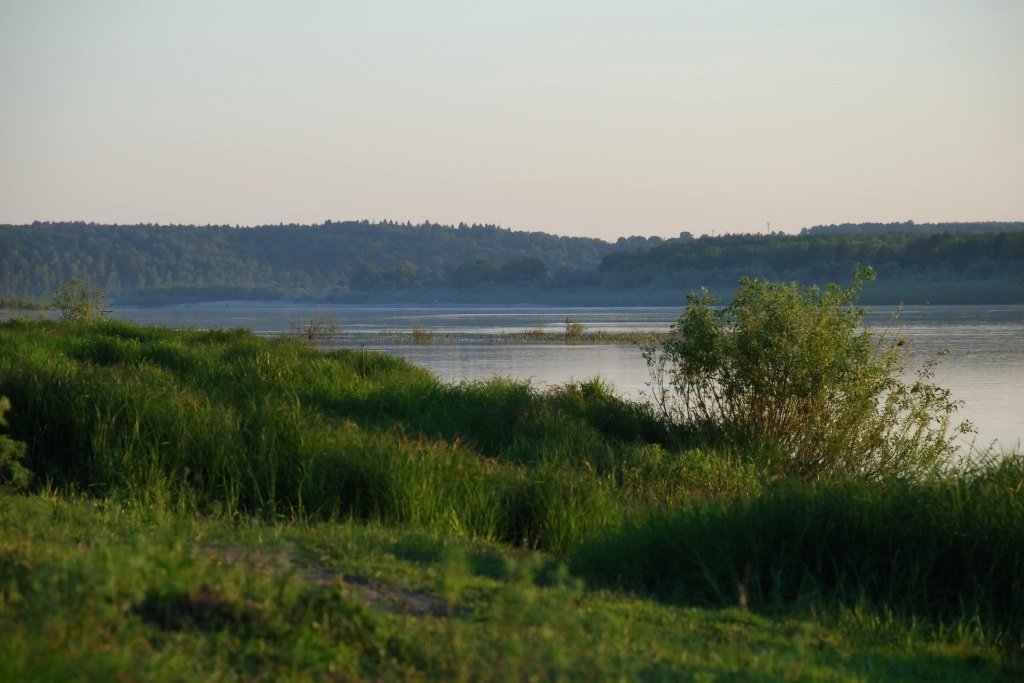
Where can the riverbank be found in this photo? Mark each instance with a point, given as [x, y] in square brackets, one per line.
[239, 480]
[984, 366]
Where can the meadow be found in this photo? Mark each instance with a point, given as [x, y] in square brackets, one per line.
[213, 504]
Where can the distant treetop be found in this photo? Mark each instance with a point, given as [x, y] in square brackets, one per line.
[975, 228]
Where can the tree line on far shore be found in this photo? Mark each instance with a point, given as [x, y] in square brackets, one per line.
[363, 262]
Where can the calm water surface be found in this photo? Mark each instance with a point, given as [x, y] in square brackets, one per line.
[984, 368]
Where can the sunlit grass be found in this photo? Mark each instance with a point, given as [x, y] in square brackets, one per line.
[115, 590]
[164, 451]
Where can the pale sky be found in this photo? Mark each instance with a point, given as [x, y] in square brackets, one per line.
[579, 117]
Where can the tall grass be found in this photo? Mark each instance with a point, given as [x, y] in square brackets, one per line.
[225, 420]
[949, 548]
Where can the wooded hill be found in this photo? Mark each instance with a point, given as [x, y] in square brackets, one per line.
[362, 262]
[278, 261]
[918, 266]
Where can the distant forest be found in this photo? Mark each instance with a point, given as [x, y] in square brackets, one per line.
[363, 262]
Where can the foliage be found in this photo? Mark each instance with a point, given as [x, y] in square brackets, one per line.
[108, 590]
[79, 300]
[915, 267]
[272, 427]
[13, 474]
[191, 263]
[948, 548]
[912, 228]
[361, 262]
[218, 475]
[831, 254]
[792, 372]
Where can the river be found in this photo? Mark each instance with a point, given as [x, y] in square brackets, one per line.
[984, 367]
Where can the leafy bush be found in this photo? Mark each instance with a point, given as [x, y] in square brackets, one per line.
[79, 301]
[792, 373]
[12, 473]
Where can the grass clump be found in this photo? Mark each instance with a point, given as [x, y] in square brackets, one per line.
[421, 335]
[949, 549]
[573, 330]
[319, 327]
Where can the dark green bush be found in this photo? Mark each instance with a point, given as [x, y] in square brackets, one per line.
[79, 300]
[949, 548]
[13, 474]
[792, 373]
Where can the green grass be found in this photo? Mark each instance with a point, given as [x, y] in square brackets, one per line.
[213, 504]
[106, 590]
[224, 420]
[950, 550]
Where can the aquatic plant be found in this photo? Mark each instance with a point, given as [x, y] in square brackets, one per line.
[318, 327]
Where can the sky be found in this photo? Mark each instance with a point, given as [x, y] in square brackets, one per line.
[575, 117]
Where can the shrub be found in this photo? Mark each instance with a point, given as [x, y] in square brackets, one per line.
[792, 374]
[79, 301]
[13, 474]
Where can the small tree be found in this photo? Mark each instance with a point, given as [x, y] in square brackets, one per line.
[79, 301]
[793, 372]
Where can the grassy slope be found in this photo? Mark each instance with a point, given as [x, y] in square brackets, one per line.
[103, 591]
[180, 438]
[227, 421]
